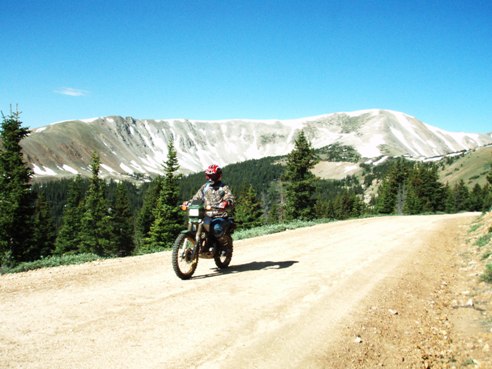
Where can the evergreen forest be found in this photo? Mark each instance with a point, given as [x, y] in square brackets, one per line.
[93, 217]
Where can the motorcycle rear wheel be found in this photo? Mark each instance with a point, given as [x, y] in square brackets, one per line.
[223, 257]
[183, 264]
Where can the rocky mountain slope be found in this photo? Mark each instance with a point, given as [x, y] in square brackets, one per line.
[138, 148]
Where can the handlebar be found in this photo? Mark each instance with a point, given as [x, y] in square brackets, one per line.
[185, 207]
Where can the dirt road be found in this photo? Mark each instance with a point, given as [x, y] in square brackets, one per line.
[297, 299]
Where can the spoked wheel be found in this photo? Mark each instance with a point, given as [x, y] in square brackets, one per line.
[184, 264]
[223, 257]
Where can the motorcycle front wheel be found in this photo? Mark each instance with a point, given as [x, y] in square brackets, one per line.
[184, 264]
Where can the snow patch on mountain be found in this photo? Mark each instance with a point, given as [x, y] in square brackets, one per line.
[403, 140]
[126, 168]
[108, 168]
[43, 171]
[92, 120]
[68, 168]
[357, 113]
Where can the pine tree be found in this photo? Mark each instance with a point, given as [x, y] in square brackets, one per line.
[461, 196]
[487, 201]
[300, 202]
[248, 212]
[68, 240]
[341, 206]
[385, 200]
[489, 176]
[424, 179]
[168, 221]
[16, 199]
[487, 198]
[449, 206]
[347, 205]
[324, 208]
[402, 198]
[123, 222]
[477, 197]
[411, 188]
[44, 229]
[274, 204]
[96, 221]
[412, 204]
[273, 215]
[145, 216]
[393, 189]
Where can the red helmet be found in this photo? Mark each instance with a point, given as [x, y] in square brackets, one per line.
[213, 172]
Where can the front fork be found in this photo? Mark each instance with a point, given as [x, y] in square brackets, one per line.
[198, 240]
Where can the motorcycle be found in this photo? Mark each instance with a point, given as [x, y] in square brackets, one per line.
[197, 242]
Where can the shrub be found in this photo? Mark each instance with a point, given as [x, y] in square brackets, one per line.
[51, 261]
[483, 240]
[276, 228]
[487, 275]
[474, 227]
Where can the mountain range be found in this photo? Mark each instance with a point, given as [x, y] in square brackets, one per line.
[137, 148]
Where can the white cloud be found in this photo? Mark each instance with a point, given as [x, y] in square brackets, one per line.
[69, 91]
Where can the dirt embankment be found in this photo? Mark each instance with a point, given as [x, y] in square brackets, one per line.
[437, 313]
[367, 293]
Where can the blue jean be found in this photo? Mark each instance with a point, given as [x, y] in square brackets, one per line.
[218, 226]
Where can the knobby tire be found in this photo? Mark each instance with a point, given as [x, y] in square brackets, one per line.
[181, 256]
[223, 262]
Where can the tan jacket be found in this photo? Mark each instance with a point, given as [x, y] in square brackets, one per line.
[213, 194]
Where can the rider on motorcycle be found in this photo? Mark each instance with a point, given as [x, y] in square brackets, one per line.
[219, 202]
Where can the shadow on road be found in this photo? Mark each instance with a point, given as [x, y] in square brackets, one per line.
[249, 267]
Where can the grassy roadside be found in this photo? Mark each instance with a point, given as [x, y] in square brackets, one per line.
[473, 304]
[49, 262]
[480, 234]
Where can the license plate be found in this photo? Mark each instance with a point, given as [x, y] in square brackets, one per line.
[194, 212]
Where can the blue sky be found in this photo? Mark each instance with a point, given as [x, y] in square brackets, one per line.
[259, 59]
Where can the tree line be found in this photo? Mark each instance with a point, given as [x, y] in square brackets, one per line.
[414, 188]
[92, 216]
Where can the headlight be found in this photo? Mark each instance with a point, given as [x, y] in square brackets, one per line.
[194, 212]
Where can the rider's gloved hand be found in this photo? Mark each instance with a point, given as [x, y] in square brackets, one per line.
[223, 204]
